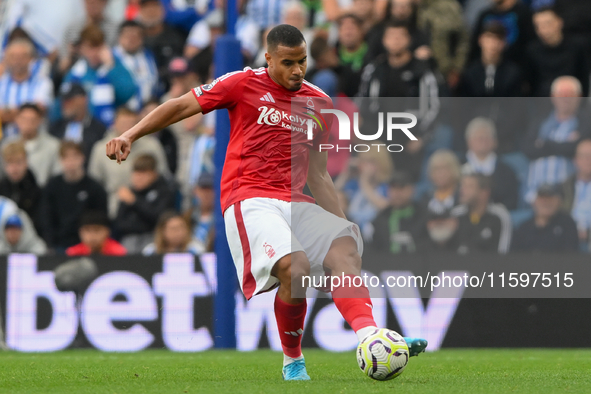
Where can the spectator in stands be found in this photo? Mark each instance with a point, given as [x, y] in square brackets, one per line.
[183, 14]
[443, 170]
[107, 82]
[139, 62]
[551, 145]
[42, 148]
[163, 40]
[172, 235]
[8, 208]
[201, 216]
[448, 37]
[491, 75]
[404, 11]
[77, 123]
[551, 229]
[577, 193]
[352, 49]
[554, 55]
[266, 13]
[19, 184]
[203, 35]
[113, 176]
[366, 11]
[18, 85]
[400, 74]
[481, 138]
[141, 205]
[365, 182]
[482, 225]
[516, 18]
[17, 240]
[95, 15]
[440, 233]
[383, 77]
[397, 227]
[67, 196]
[95, 236]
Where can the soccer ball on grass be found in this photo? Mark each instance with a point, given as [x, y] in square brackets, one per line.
[383, 354]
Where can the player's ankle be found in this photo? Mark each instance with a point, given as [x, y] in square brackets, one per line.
[288, 360]
[365, 331]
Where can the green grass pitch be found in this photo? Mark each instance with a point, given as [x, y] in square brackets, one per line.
[220, 372]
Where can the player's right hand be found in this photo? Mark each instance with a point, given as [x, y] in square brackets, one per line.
[118, 149]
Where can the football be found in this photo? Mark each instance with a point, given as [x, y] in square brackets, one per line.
[383, 354]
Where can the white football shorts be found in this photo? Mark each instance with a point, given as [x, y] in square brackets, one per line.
[261, 230]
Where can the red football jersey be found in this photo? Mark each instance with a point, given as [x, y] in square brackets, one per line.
[266, 156]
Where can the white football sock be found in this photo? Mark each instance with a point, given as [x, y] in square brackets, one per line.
[288, 360]
[365, 331]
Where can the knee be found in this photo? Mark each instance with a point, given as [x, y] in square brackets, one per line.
[343, 257]
[291, 268]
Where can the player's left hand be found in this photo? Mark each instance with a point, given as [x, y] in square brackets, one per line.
[118, 149]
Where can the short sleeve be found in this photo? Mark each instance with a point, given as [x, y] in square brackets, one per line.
[222, 92]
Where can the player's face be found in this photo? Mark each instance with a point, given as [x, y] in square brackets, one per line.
[287, 65]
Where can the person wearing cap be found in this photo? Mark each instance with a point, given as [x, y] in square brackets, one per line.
[141, 204]
[201, 215]
[95, 236]
[397, 227]
[17, 239]
[139, 61]
[483, 226]
[67, 196]
[439, 233]
[163, 40]
[551, 229]
[492, 75]
[76, 122]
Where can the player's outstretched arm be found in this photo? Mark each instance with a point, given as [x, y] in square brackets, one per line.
[163, 116]
[320, 184]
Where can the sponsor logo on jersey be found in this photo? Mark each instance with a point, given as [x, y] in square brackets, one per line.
[274, 117]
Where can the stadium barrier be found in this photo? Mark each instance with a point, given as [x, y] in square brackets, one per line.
[166, 301]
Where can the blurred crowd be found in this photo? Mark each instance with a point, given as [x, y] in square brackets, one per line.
[512, 173]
